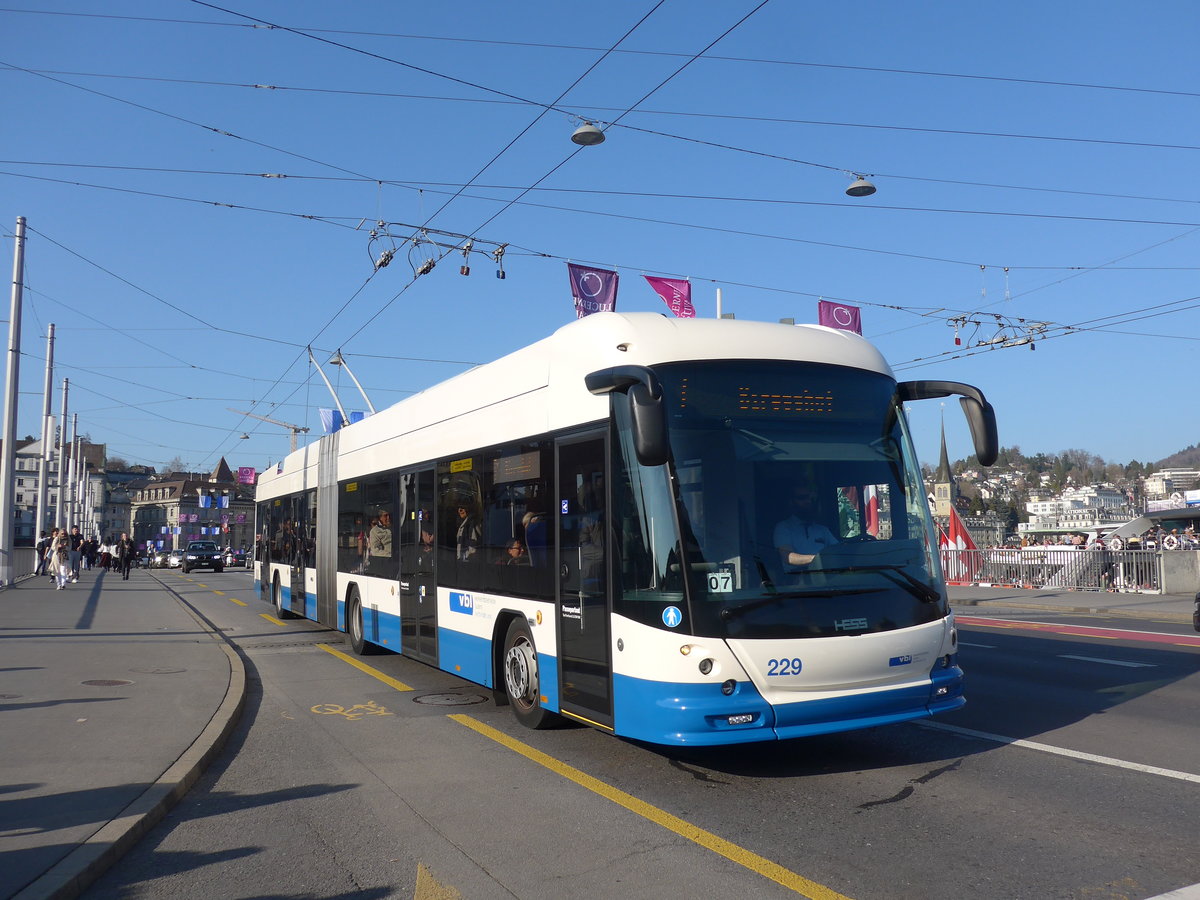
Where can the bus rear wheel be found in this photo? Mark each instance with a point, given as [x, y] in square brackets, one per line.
[521, 682]
[354, 625]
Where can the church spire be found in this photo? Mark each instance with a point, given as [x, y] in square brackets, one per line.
[945, 488]
[943, 472]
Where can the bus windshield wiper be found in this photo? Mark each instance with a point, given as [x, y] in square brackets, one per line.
[914, 586]
[733, 612]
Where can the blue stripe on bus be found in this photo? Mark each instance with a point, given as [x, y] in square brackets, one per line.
[688, 713]
[698, 714]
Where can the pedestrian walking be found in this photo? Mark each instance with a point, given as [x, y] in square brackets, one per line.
[126, 553]
[60, 557]
[76, 551]
[43, 547]
[49, 568]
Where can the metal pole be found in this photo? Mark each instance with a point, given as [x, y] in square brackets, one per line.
[60, 512]
[73, 519]
[332, 392]
[339, 360]
[718, 303]
[10, 409]
[39, 523]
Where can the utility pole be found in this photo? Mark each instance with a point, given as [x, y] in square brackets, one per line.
[76, 465]
[39, 519]
[10, 409]
[60, 514]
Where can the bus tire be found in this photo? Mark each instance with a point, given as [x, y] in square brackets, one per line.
[277, 595]
[354, 627]
[521, 682]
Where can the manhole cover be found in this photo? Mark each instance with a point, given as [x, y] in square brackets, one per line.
[158, 670]
[106, 682]
[450, 699]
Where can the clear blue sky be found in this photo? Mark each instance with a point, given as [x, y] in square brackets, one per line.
[1053, 140]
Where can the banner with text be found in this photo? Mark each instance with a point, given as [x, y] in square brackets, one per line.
[676, 293]
[594, 290]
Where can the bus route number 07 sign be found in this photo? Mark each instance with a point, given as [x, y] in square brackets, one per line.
[721, 580]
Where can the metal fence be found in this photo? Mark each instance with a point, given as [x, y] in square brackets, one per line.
[1062, 568]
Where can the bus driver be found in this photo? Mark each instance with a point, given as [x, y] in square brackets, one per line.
[799, 537]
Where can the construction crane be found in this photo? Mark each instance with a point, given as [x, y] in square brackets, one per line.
[295, 429]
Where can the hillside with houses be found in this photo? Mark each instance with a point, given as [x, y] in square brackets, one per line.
[1051, 496]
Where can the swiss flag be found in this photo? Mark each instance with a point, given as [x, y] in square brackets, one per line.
[961, 559]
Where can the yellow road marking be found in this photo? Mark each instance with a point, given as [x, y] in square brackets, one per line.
[363, 667]
[198, 584]
[274, 621]
[237, 601]
[740, 855]
[218, 593]
[429, 888]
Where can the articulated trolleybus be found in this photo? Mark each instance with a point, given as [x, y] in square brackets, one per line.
[683, 531]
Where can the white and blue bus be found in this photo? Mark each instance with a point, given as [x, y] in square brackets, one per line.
[594, 527]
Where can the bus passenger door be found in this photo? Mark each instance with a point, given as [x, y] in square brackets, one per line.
[585, 666]
[418, 576]
[298, 541]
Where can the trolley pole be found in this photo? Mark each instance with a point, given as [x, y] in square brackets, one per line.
[10, 409]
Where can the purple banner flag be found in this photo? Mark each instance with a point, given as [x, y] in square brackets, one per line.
[839, 315]
[594, 290]
[676, 293]
[246, 475]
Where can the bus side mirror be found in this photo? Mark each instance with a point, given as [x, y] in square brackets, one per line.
[649, 425]
[647, 416]
[980, 416]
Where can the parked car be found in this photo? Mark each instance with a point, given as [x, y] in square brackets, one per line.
[175, 559]
[203, 555]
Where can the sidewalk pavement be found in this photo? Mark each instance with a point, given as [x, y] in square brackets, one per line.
[970, 600]
[116, 695]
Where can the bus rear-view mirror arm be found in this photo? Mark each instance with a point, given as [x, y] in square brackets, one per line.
[646, 413]
[980, 415]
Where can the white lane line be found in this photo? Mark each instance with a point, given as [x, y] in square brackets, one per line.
[1062, 751]
[1109, 662]
[1191, 892]
[980, 646]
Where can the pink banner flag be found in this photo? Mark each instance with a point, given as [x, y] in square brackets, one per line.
[676, 293]
[594, 290]
[839, 315]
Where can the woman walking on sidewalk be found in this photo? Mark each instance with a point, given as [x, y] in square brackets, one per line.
[126, 551]
[60, 557]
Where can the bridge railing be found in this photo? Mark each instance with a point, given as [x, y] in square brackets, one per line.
[1062, 568]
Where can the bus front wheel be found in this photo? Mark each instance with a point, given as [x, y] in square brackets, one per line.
[521, 682]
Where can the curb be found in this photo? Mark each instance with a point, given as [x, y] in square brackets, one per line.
[72, 875]
[1164, 615]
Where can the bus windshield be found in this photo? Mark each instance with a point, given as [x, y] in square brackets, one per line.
[792, 506]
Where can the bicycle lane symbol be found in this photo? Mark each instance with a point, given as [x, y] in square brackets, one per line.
[358, 711]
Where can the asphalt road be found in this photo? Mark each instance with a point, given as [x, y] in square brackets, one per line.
[1073, 772]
